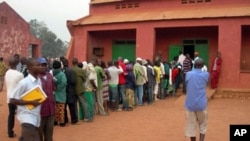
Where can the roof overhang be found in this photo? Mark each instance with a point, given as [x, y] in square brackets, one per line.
[103, 1]
[198, 13]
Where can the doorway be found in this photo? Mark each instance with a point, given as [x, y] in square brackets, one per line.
[189, 49]
[125, 49]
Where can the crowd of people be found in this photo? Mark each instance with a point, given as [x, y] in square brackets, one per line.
[87, 89]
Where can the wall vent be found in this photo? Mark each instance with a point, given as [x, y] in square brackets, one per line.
[194, 1]
[127, 5]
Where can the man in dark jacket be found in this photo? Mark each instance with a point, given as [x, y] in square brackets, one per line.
[71, 97]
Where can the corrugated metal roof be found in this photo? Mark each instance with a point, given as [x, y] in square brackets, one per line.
[165, 15]
[103, 1]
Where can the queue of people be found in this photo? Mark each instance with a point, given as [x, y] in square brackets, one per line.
[88, 89]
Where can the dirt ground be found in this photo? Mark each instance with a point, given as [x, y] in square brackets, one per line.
[162, 121]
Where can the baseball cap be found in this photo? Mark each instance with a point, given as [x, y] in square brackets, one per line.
[42, 60]
[138, 59]
[125, 61]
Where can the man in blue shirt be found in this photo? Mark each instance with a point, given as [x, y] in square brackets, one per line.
[196, 101]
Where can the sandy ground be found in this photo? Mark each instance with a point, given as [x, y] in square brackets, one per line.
[162, 121]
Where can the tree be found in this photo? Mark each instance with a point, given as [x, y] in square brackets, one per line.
[52, 46]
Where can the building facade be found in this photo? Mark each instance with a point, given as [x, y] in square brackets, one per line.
[15, 35]
[141, 28]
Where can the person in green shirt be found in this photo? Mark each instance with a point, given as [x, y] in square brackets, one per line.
[60, 92]
[99, 92]
[79, 89]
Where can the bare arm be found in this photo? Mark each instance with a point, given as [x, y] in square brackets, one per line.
[22, 102]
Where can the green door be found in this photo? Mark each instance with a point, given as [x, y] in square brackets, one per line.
[203, 52]
[174, 51]
[124, 49]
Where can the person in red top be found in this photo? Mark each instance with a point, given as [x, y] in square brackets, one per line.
[175, 73]
[215, 71]
[121, 85]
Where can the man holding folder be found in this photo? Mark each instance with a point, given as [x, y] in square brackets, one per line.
[28, 118]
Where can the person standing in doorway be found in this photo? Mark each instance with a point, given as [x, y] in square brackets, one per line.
[12, 77]
[181, 57]
[187, 66]
[216, 69]
[196, 101]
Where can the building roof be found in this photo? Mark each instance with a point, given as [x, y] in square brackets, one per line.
[197, 13]
[103, 1]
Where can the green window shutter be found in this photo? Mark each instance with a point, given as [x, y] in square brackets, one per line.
[174, 51]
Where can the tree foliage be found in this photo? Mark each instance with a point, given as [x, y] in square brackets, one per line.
[52, 46]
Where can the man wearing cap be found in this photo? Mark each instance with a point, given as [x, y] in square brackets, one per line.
[140, 79]
[48, 106]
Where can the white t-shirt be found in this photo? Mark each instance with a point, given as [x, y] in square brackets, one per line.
[114, 74]
[12, 77]
[181, 59]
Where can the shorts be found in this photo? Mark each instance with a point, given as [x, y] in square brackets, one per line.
[194, 120]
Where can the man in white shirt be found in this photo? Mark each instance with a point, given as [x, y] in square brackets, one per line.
[181, 58]
[114, 71]
[29, 118]
[12, 77]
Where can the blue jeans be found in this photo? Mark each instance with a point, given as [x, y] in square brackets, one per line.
[150, 93]
[139, 93]
[122, 91]
[113, 95]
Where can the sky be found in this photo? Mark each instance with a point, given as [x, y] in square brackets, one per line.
[54, 13]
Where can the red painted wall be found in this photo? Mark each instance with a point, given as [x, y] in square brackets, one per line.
[105, 39]
[224, 35]
[15, 36]
[145, 5]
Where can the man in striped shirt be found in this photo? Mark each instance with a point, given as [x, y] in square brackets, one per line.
[187, 66]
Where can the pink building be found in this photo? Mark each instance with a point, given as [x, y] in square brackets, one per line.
[141, 28]
[15, 36]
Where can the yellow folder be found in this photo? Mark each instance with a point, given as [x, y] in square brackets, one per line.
[33, 94]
